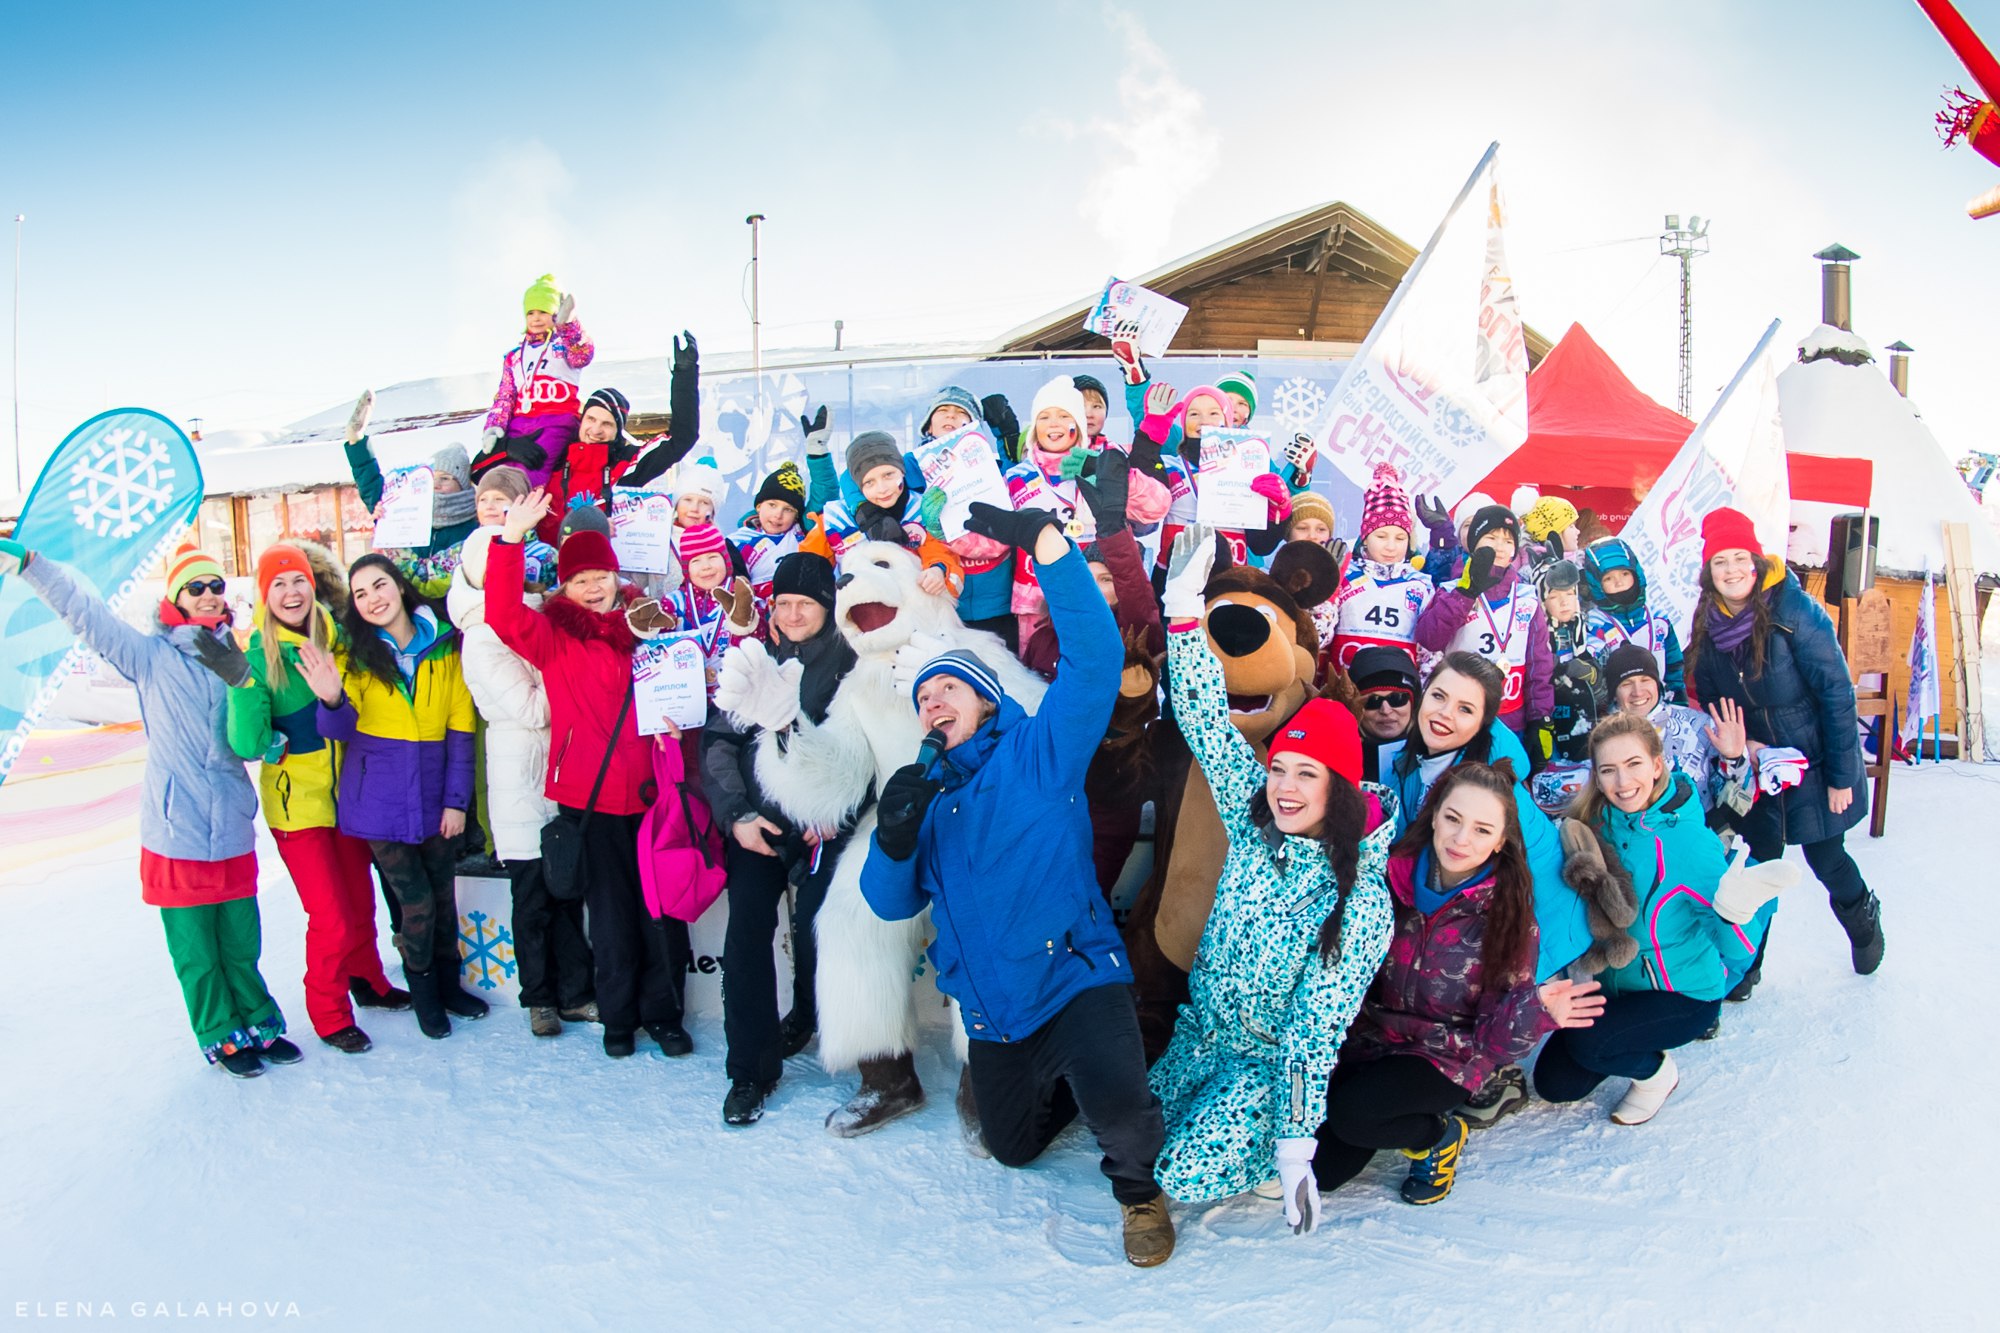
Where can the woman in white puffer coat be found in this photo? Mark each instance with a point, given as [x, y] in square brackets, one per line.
[549, 943]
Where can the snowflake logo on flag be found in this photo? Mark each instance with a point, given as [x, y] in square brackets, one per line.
[122, 484]
[486, 951]
[1298, 402]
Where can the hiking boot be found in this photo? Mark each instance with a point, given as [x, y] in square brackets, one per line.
[543, 1022]
[1501, 1095]
[794, 1034]
[1434, 1170]
[673, 1039]
[1149, 1232]
[889, 1090]
[368, 997]
[278, 1051]
[349, 1040]
[424, 999]
[241, 1063]
[968, 1116]
[1646, 1096]
[745, 1103]
[1863, 923]
[580, 1013]
[618, 1045]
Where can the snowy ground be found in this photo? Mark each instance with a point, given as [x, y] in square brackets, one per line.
[1821, 1165]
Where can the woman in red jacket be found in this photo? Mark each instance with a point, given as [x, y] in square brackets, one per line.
[581, 643]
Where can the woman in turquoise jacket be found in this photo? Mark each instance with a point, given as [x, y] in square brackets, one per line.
[1698, 927]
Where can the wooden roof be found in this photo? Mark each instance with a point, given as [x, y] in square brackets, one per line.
[1334, 241]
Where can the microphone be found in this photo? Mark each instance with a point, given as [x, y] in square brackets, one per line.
[932, 749]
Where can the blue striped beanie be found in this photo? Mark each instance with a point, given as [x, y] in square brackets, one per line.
[965, 664]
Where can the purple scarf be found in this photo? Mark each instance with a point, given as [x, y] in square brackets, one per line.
[1728, 632]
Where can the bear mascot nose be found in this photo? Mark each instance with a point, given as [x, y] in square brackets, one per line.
[1238, 630]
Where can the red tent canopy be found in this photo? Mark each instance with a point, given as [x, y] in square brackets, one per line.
[1590, 427]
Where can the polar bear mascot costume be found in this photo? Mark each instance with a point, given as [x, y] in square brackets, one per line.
[819, 776]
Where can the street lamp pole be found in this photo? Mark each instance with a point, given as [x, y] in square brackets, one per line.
[755, 221]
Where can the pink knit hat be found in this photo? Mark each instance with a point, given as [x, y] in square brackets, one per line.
[702, 539]
[1385, 505]
[1196, 392]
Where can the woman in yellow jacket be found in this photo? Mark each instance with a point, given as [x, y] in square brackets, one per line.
[274, 718]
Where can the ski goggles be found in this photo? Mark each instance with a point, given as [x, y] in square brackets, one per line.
[1377, 700]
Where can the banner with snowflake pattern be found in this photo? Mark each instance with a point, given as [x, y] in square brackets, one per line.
[113, 500]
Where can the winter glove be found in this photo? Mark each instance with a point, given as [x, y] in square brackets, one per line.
[739, 607]
[913, 657]
[687, 356]
[219, 653]
[1188, 570]
[565, 309]
[1482, 572]
[1301, 1189]
[819, 435]
[1745, 889]
[1076, 461]
[280, 746]
[1436, 520]
[647, 619]
[899, 811]
[757, 690]
[1108, 492]
[1000, 419]
[1157, 422]
[489, 439]
[1272, 487]
[1125, 350]
[1338, 549]
[932, 510]
[357, 420]
[1146, 459]
[14, 557]
[1017, 527]
[1301, 452]
[526, 454]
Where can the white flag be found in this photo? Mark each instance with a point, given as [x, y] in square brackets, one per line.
[1735, 459]
[1440, 388]
[1924, 702]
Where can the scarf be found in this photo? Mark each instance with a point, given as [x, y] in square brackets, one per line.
[1728, 632]
[454, 507]
[828, 657]
[1430, 891]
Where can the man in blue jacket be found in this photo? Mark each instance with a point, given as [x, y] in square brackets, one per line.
[993, 835]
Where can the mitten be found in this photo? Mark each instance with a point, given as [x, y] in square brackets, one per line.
[1745, 889]
[739, 607]
[913, 657]
[1301, 1189]
[1188, 570]
[1075, 462]
[1017, 527]
[1482, 571]
[490, 437]
[932, 510]
[565, 309]
[1272, 488]
[899, 811]
[357, 420]
[757, 690]
[647, 619]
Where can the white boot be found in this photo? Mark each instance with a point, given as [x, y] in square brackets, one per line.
[1646, 1096]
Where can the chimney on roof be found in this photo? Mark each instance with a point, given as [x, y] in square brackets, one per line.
[1899, 366]
[1836, 286]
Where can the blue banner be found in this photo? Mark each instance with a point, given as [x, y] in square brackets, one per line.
[115, 499]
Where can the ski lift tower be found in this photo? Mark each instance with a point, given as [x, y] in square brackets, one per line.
[1684, 243]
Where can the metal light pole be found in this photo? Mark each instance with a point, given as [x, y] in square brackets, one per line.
[755, 221]
[1684, 243]
[19, 488]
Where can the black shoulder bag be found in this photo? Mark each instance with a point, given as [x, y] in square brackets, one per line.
[562, 837]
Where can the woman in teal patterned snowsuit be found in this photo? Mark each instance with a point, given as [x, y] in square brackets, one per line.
[1251, 1052]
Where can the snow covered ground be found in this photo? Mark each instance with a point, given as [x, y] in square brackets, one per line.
[1824, 1163]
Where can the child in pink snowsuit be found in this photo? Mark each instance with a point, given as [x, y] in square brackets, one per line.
[536, 408]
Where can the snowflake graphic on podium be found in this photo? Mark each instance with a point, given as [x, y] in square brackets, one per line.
[121, 484]
[1298, 402]
[486, 951]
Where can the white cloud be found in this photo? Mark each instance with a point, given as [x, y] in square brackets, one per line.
[1157, 153]
[506, 230]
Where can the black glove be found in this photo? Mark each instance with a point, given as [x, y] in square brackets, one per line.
[1146, 458]
[899, 812]
[219, 653]
[879, 525]
[1017, 527]
[489, 460]
[686, 355]
[1480, 573]
[1000, 417]
[525, 452]
[1107, 495]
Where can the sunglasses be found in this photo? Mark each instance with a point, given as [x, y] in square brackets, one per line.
[199, 587]
[1380, 699]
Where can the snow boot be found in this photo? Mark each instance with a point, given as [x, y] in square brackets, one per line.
[1863, 924]
[1646, 1096]
[1434, 1170]
[368, 997]
[458, 1001]
[1149, 1232]
[618, 1045]
[580, 1013]
[543, 1022]
[241, 1063]
[424, 999]
[1500, 1096]
[889, 1089]
[673, 1039]
[278, 1051]
[745, 1103]
[794, 1034]
[968, 1116]
[350, 1040]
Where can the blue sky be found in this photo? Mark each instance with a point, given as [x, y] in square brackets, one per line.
[247, 213]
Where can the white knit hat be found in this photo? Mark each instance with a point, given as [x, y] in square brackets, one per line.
[1062, 394]
[700, 477]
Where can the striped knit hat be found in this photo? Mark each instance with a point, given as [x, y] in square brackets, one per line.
[1386, 505]
[189, 563]
[1243, 384]
[965, 664]
[701, 539]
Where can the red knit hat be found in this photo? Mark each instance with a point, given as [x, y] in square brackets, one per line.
[189, 562]
[280, 559]
[584, 550]
[1386, 505]
[702, 539]
[1728, 530]
[1324, 731]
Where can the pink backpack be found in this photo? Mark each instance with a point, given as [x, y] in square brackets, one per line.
[680, 847]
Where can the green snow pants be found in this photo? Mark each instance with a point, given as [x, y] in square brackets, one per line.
[215, 949]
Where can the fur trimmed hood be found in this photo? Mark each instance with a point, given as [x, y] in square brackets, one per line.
[329, 579]
[606, 627]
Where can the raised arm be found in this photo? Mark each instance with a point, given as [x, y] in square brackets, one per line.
[128, 650]
[519, 627]
[1200, 696]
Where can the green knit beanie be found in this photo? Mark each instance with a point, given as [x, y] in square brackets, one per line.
[542, 295]
[1243, 384]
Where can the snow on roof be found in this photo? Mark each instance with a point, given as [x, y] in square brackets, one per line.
[1828, 340]
[1843, 411]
